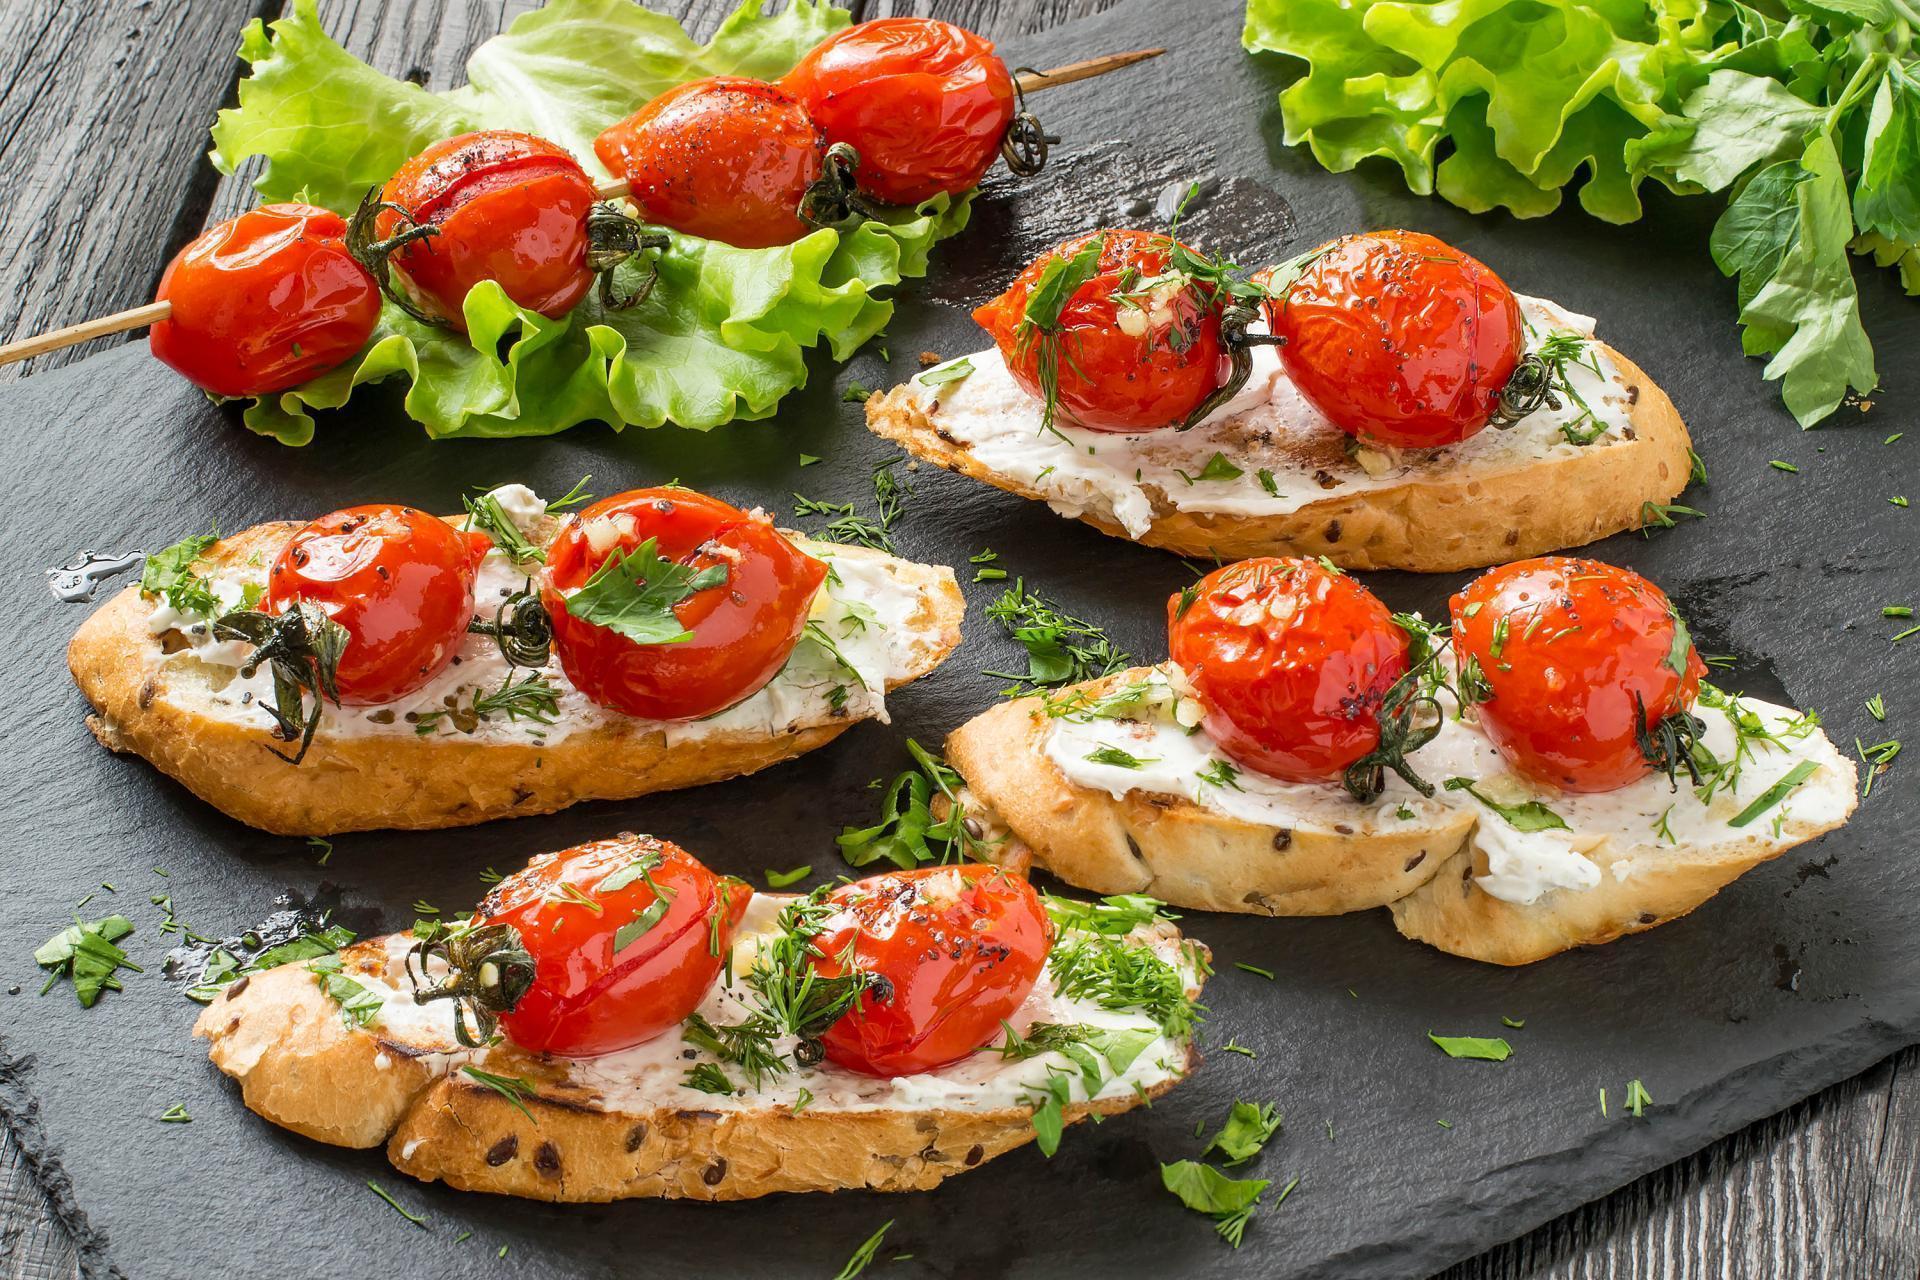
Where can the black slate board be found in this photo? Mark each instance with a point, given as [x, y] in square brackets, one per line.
[1801, 974]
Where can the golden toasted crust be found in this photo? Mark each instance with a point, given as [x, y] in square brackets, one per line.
[1453, 914]
[1429, 525]
[1169, 847]
[368, 783]
[299, 1066]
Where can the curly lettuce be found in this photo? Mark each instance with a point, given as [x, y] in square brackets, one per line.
[724, 333]
[1506, 103]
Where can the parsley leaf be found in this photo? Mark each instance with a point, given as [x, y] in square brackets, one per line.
[1533, 815]
[634, 594]
[1481, 1048]
[84, 953]
[1249, 1127]
[169, 574]
[1230, 1202]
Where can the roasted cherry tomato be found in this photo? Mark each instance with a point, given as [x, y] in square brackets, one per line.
[591, 995]
[956, 949]
[925, 103]
[1291, 663]
[742, 629]
[265, 301]
[1399, 338]
[725, 158]
[1581, 660]
[1135, 347]
[506, 206]
[399, 580]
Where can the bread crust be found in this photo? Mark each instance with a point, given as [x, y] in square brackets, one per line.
[1167, 846]
[1450, 912]
[371, 783]
[1428, 525]
[301, 1067]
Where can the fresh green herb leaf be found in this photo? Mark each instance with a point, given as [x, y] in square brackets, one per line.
[1254, 969]
[1230, 1202]
[1249, 1127]
[1117, 758]
[176, 1114]
[515, 1089]
[533, 698]
[84, 953]
[863, 1256]
[1532, 815]
[941, 374]
[1265, 477]
[1774, 794]
[416, 1219]
[808, 459]
[708, 1077]
[1482, 1048]
[856, 392]
[907, 834]
[169, 575]
[1877, 707]
[359, 1005]
[633, 930]
[1638, 1100]
[786, 879]
[1061, 649]
[487, 515]
[1218, 468]
[634, 594]
[1515, 1023]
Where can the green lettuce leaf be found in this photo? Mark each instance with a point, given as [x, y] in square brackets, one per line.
[723, 335]
[1807, 314]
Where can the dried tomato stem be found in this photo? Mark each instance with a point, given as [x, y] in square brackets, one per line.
[488, 972]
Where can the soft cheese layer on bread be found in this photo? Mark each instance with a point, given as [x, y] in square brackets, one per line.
[1116, 787]
[1289, 482]
[629, 1124]
[164, 686]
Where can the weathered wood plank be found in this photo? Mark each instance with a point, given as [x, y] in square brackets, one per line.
[103, 113]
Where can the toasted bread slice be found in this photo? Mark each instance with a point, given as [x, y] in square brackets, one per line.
[1609, 871]
[1442, 514]
[597, 1130]
[1167, 846]
[170, 710]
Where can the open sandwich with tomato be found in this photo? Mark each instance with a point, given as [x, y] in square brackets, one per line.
[1549, 771]
[617, 1021]
[1384, 401]
[384, 667]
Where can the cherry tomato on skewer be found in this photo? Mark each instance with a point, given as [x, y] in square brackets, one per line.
[957, 950]
[502, 206]
[265, 301]
[925, 104]
[1573, 665]
[400, 581]
[743, 626]
[726, 158]
[1399, 338]
[593, 949]
[1292, 664]
[1134, 344]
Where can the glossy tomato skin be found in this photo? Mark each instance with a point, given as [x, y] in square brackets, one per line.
[959, 948]
[925, 103]
[1566, 645]
[265, 301]
[1120, 368]
[1290, 661]
[399, 580]
[1399, 338]
[509, 207]
[726, 158]
[742, 630]
[588, 998]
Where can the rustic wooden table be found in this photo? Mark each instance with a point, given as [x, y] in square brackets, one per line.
[103, 134]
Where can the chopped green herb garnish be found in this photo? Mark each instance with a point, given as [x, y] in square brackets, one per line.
[176, 1114]
[782, 879]
[634, 594]
[1778, 465]
[1230, 1202]
[1061, 649]
[1254, 969]
[85, 954]
[1249, 1127]
[515, 1089]
[1532, 815]
[1117, 758]
[1638, 1100]
[1774, 794]
[358, 1004]
[416, 1219]
[863, 1256]
[941, 374]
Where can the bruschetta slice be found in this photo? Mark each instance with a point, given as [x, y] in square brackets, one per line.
[1267, 471]
[491, 733]
[1374, 782]
[720, 1104]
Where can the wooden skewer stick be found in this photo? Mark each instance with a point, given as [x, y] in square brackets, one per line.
[85, 331]
[154, 312]
[1032, 82]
